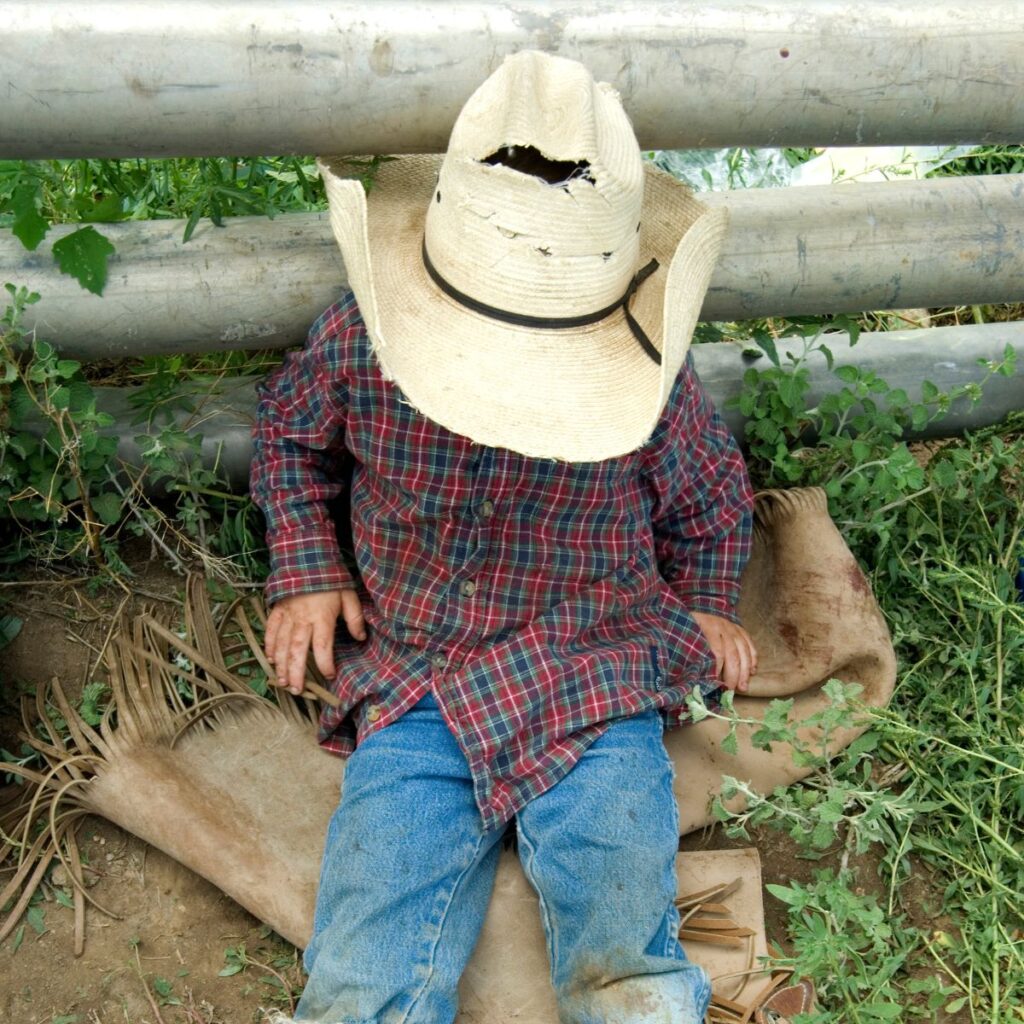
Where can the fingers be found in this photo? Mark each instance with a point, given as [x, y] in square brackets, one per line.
[288, 655]
[323, 648]
[278, 654]
[718, 650]
[270, 638]
[734, 651]
[710, 626]
[352, 613]
[742, 662]
[753, 653]
[732, 674]
[302, 621]
[296, 655]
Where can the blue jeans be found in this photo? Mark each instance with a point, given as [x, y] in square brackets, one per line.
[408, 870]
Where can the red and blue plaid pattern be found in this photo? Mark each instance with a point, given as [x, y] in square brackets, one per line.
[537, 599]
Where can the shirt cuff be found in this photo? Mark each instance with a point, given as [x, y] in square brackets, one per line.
[721, 605]
[305, 562]
[707, 605]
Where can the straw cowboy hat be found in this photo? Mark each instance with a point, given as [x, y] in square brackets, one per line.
[537, 287]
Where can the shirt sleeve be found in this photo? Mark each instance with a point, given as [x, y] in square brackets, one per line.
[702, 516]
[297, 466]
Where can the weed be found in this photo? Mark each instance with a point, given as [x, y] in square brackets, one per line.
[47, 474]
[282, 991]
[36, 195]
[63, 494]
[940, 774]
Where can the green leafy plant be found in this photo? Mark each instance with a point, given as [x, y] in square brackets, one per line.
[283, 991]
[937, 783]
[82, 253]
[841, 803]
[53, 453]
[851, 442]
[64, 495]
[851, 946]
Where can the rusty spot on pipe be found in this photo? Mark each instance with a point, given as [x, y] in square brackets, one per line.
[139, 88]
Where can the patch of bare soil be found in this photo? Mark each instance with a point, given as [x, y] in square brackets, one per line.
[169, 940]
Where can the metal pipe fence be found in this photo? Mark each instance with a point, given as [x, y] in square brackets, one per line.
[825, 249]
[946, 356]
[124, 78]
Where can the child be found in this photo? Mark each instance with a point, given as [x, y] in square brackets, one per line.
[549, 521]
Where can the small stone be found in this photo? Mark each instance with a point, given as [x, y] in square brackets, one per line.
[59, 877]
[110, 857]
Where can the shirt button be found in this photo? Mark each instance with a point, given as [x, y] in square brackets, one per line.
[439, 661]
[467, 588]
[373, 713]
[486, 508]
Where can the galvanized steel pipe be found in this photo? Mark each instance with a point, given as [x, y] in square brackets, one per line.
[822, 249]
[946, 356]
[124, 78]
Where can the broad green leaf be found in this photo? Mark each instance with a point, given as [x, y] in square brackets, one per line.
[60, 398]
[767, 344]
[822, 835]
[83, 255]
[82, 396]
[107, 507]
[29, 227]
[781, 892]
[831, 812]
[10, 627]
[34, 916]
[881, 1011]
[107, 209]
[944, 474]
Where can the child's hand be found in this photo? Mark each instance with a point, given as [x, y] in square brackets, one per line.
[297, 621]
[735, 653]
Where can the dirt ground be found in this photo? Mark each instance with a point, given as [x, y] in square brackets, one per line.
[160, 961]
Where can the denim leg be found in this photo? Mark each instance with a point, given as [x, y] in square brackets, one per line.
[405, 881]
[599, 847]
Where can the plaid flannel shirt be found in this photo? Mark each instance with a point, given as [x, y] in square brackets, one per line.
[536, 599]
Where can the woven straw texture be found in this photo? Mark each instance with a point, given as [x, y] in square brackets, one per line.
[518, 243]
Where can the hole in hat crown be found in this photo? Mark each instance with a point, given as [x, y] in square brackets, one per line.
[528, 160]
